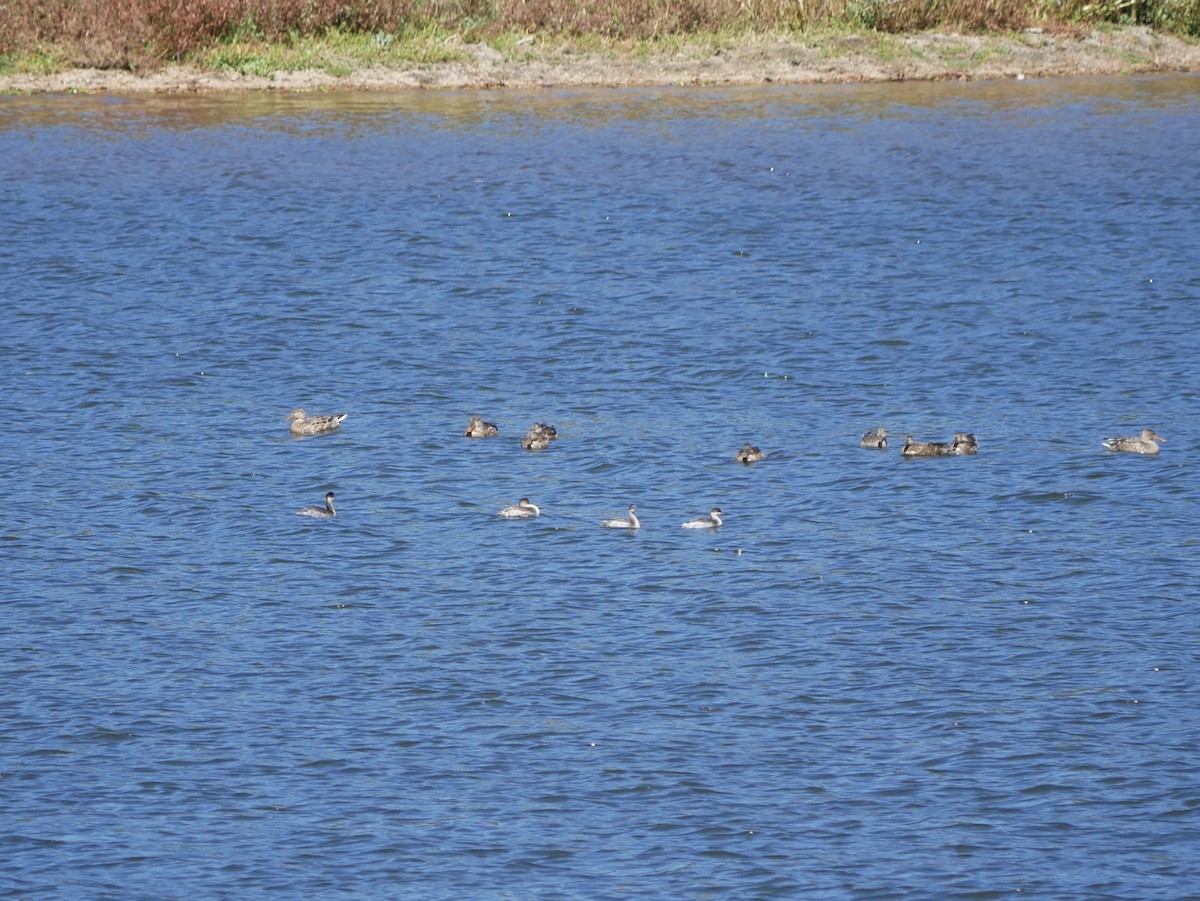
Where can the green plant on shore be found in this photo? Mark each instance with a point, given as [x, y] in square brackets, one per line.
[336, 52]
[35, 62]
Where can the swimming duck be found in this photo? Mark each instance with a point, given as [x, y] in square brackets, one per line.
[749, 454]
[925, 448]
[539, 436]
[711, 521]
[303, 424]
[522, 509]
[964, 443]
[618, 523]
[326, 512]
[1145, 443]
[876, 438]
[480, 429]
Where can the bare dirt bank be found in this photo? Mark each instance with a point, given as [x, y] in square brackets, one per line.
[754, 61]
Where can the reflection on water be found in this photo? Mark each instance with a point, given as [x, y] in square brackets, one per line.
[880, 678]
[383, 111]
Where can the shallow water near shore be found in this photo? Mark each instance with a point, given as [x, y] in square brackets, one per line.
[965, 677]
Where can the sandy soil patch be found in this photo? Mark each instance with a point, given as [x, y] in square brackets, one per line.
[927, 56]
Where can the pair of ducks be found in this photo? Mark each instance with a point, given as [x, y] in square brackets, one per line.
[526, 509]
[538, 437]
[963, 443]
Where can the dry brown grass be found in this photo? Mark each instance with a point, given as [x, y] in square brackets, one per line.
[139, 33]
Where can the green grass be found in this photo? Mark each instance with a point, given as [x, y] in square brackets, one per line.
[338, 53]
[33, 62]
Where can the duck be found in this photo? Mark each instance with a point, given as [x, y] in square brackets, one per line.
[303, 424]
[711, 521]
[964, 443]
[539, 436]
[480, 429]
[749, 454]
[1145, 443]
[925, 448]
[618, 523]
[326, 512]
[876, 438]
[522, 509]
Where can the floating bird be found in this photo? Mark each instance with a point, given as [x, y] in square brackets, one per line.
[876, 438]
[326, 512]
[749, 454]
[617, 523]
[711, 521]
[964, 443]
[480, 429]
[1145, 443]
[925, 448]
[303, 424]
[539, 436]
[522, 509]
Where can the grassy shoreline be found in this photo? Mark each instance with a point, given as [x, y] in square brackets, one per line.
[140, 35]
[440, 59]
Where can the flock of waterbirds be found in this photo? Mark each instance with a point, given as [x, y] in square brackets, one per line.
[540, 435]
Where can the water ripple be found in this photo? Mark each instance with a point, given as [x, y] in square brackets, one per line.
[962, 677]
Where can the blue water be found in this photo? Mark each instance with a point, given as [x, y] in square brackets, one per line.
[968, 677]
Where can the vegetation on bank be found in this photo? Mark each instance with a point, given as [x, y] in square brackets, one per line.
[51, 35]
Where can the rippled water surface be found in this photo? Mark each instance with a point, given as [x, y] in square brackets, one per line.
[965, 677]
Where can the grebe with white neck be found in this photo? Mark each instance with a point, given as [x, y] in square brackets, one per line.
[621, 523]
[326, 512]
[522, 509]
[711, 521]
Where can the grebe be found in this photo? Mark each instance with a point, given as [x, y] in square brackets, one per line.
[302, 424]
[712, 521]
[326, 512]
[617, 523]
[749, 454]
[480, 429]
[876, 438]
[1145, 443]
[522, 509]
